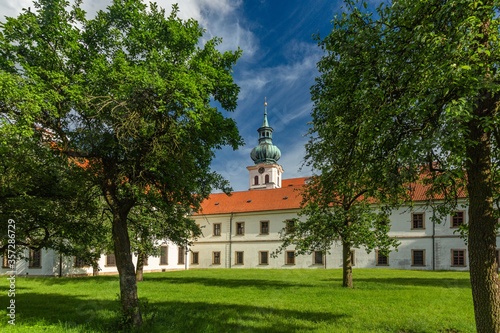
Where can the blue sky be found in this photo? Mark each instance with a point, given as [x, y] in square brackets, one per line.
[279, 62]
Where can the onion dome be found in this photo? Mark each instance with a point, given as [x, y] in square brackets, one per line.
[265, 152]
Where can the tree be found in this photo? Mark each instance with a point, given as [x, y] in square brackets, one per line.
[131, 92]
[427, 75]
[150, 227]
[44, 193]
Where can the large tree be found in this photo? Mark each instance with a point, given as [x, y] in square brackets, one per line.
[132, 91]
[428, 86]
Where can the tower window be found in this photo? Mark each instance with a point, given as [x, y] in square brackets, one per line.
[267, 179]
[256, 180]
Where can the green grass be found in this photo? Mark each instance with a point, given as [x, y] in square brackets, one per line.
[251, 301]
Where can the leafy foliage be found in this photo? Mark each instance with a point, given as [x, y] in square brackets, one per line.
[418, 83]
[130, 92]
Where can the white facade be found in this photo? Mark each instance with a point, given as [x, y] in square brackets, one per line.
[424, 245]
[53, 264]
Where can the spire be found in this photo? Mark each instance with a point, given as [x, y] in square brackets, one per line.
[265, 123]
[265, 152]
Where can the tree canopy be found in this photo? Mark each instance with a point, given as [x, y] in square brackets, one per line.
[132, 92]
[422, 79]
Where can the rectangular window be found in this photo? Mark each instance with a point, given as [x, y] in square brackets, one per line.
[5, 262]
[417, 221]
[458, 258]
[110, 260]
[264, 227]
[216, 229]
[216, 258]
[458, 219]
[35, 259]
[418, 257]
[164, 255]
[195, 258]
[180, 255]
[318, 257]
[290, 226]
[240, 228]
[79, 262]
[382, 260]
[290, 257]
[239, 257]
[263, 258]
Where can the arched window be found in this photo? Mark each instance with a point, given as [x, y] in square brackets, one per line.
[256, 180]
[267, 179]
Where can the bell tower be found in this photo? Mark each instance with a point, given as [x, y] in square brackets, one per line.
[266, 173]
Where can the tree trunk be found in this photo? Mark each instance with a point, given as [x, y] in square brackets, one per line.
[95, 268]
[346, 265]
[482, 226]
[139, 269]
[126, 270]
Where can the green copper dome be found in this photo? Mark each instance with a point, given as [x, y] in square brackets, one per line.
[265, 152]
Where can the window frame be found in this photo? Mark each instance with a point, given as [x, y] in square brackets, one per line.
[267, 227]
[315, 258]
[110, 260]
[290, 226]
[239, 257]
[240, 228]
[35, 258]
[216, 254]
[379, 257]
[453, 218]
[266, 253]
[5, 260]
[413, 258]
[413, 221]
[181, 255]
[164, 255]
[463, 256]
[195, 255]
[217, 229]
[289, 257]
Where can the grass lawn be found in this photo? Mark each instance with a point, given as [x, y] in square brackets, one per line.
[250, 300]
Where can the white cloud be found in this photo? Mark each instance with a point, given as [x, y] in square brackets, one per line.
[218, 17]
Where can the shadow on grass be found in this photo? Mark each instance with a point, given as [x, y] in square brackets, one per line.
[74, 310]
[50, 280]
[208, 317]
[411, 282]
[164, 316]
[226, 283]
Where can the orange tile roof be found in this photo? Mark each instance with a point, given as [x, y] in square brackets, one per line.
[286, 197]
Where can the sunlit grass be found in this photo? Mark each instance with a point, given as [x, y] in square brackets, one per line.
[251, 301]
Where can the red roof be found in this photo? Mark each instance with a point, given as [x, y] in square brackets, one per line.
[286, 197]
